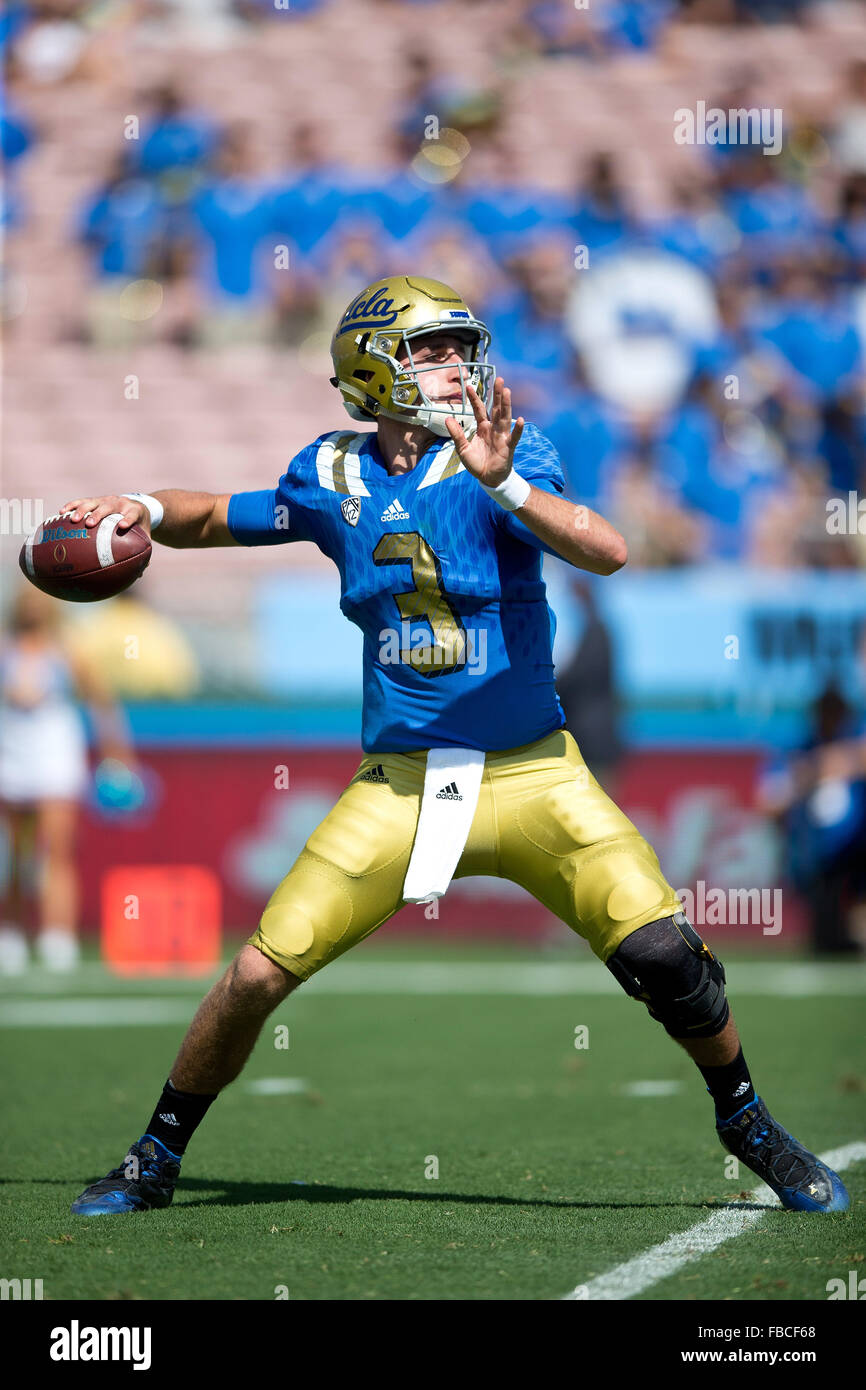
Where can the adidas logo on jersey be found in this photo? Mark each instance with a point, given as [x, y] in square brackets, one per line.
[449, 793]
[374, 774]
[394, 512]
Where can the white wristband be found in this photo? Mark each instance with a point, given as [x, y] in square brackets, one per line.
[156, 509]
[511, 493]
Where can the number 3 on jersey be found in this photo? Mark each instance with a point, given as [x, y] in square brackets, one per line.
[426, 601]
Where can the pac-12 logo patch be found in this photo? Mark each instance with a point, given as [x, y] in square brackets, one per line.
[351, 509]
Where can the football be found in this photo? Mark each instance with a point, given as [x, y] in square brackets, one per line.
[81, 564]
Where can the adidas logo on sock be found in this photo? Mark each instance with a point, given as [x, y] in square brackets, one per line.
[449, 793]
[170, 1119]
[394, 512]
[374, 774]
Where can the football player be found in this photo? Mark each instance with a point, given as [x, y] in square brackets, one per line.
[437, 519]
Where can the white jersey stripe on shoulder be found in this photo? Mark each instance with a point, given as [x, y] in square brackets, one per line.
[349, 446]
[446, 461]
[354, 481]
[325, 461]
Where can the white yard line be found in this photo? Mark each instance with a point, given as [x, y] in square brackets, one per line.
[277, 1086]
[93, 1013]
[792, 980]
[650, 1089]
[92, 998]
[636, 1275]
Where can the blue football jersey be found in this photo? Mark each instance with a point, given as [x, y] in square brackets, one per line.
[444, 584]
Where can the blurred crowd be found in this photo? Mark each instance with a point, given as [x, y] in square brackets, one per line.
[700, 370]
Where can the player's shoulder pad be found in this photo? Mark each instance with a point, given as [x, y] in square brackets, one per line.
[305, 465]
[305, 458]
[334, 461]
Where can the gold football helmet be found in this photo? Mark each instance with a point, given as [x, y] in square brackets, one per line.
[395, 313]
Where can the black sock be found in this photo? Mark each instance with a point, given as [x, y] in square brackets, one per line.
[177, 1117]
[730, 1086]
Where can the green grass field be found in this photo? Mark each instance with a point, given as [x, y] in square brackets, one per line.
[318, 1179]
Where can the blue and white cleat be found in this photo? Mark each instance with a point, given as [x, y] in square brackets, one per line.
[799, 1179]
[145, 1180]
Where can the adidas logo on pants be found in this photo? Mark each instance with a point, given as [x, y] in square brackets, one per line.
[449, 793]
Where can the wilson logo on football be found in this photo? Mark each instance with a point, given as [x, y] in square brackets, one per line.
[63, 533]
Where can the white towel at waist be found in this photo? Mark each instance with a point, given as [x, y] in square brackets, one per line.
[452, 782]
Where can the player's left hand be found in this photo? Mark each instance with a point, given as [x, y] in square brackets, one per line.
[489, 454]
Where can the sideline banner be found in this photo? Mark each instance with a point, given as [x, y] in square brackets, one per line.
[245, 815]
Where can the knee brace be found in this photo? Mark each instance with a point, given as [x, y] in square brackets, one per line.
[670, 969]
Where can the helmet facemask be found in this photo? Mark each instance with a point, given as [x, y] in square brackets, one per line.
[410, 402]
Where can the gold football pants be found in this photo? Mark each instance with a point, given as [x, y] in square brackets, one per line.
[542, 821]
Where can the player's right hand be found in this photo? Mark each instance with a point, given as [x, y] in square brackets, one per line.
[92, 510]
